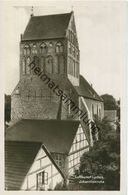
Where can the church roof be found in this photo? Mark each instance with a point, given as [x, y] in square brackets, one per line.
[56, 135]
[19, 157]
[46, 27]
[86, 90]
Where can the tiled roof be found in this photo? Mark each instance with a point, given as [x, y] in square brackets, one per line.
[46, 27]
[19, 157]
[56, 135]
[86, 90]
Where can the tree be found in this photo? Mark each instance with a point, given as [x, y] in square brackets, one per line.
[109, 102]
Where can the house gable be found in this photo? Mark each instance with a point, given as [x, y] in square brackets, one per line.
[42, 166]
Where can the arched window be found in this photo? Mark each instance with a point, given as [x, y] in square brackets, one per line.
[34, 49]
[27, 50]
[59, 47]
[43, 48]
[24, 66]
[49, 64]
[28, 60]
[43, 63]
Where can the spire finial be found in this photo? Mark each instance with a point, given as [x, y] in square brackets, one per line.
[32, 11]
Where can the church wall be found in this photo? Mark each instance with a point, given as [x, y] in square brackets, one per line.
[34, 102]
[95, 107]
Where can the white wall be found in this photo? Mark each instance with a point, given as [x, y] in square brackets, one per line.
[41, 163]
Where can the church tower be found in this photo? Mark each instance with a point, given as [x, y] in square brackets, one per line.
[51, 43]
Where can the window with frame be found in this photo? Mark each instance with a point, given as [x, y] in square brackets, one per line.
[59, 159]
[41, 179]
[28, 60]
[24, 66]
[34, 49]
[27, 50]
[59, 47]
[49, 64]
[43, 63]
[43, 48]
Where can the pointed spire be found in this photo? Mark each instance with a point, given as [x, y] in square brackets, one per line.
[32, 11]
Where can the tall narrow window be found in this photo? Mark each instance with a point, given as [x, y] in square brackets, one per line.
[24, 66]
[34, 49]
[59, 47]
[56, 65]
[42, 178]
[28, 60]
[43, 48]
[43, 63]
[92, 110]
[49, 64]
[69, 48]
[97, 111]
[27, 50]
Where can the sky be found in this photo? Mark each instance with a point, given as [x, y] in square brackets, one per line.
[100, 30]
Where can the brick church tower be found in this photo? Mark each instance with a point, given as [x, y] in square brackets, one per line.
[51, 42]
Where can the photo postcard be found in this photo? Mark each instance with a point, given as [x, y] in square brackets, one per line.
[64, 97]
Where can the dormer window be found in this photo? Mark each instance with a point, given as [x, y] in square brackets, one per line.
[59, 47]
[43, 48]
[34, 49]
[27, 50]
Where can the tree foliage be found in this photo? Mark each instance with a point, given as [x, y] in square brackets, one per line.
[109, 102]
[103, 159]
